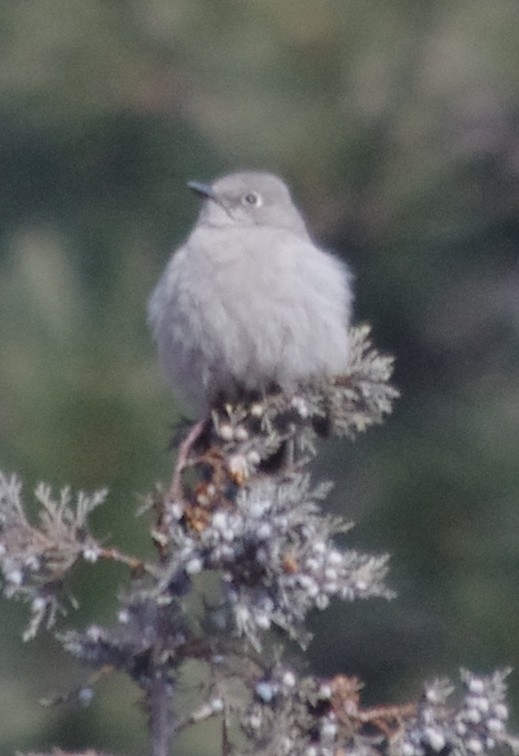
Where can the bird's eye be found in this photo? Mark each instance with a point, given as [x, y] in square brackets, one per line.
[252, 199]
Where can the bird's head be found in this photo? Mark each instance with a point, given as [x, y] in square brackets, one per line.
[248, 199]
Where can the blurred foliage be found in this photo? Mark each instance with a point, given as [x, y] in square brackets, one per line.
[397, 125]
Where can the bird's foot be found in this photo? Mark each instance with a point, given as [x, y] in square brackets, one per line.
[183, 458]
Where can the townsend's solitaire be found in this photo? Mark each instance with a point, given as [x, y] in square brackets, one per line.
[249, 302]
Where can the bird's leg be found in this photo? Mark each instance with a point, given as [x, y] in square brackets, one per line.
[290, 453]
[184, 451]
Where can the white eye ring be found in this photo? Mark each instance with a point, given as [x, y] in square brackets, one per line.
[252, 199]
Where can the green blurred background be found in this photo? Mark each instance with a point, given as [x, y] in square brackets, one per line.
[396, 124]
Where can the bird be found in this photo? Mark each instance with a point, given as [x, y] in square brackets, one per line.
[249, 302]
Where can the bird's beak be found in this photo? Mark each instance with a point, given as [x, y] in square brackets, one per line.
[204, 190]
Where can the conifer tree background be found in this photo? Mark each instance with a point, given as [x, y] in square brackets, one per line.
[397, 128]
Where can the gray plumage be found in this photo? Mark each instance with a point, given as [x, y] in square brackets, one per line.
[249, 301]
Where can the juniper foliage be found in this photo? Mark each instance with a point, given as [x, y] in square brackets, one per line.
[242, 506]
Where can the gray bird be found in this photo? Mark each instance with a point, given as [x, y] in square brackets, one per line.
[248, 302]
